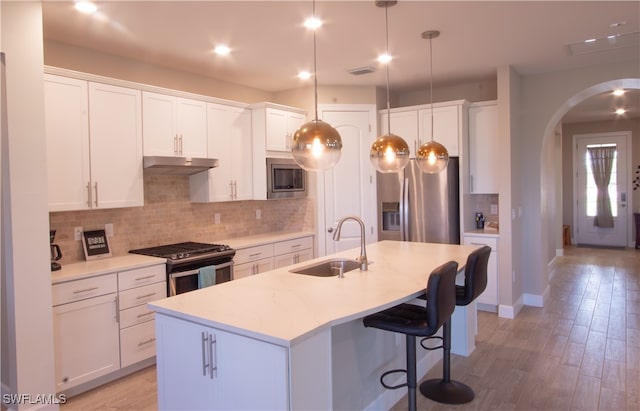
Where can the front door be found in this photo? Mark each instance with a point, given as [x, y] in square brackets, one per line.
[602, 195]
[349, 187]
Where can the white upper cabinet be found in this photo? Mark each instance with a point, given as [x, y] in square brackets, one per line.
[174, 126]
[94, 145]
[403, 124]
[413, 124]
[229, 141]
[274, 126]
[483, 148]
[446, 127]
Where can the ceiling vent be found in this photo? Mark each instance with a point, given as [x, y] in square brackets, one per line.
[361, 70]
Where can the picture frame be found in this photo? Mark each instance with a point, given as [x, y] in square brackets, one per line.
[95, 245]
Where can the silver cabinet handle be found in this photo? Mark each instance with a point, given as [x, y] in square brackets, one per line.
[116, 301]
[84, 290]
[89, 194]
[96, 187]
[255, 255]
[213, 360]
[175, 144]
[145, 314]
[149, 341]
[146, 277]
[145, 296]
[180, 144]
[205, 364]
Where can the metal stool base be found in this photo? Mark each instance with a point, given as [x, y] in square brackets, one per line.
[447, 392]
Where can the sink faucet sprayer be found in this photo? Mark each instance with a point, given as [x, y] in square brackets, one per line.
[363, 252]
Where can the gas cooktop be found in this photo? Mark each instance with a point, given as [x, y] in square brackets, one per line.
[184, 250]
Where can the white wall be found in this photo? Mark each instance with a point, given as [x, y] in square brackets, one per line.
[29, 329]
[545, 99]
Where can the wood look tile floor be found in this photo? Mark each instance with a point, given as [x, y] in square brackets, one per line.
[580, 352]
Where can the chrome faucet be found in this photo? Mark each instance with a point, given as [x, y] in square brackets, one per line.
[363, 251]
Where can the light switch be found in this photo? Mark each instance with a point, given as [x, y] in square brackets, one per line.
[494, 209]
[216, 218]
[258, 214]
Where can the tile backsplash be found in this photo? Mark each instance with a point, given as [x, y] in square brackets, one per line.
[481, 203]
[169, 217]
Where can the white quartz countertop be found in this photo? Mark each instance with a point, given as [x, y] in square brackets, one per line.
[260, 239]
[101, 266]
[485, 233]
[282, 307]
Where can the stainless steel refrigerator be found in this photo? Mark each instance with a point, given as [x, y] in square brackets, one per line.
[419, 207]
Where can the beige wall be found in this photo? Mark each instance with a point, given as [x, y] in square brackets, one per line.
[472, 91]
[571, 129]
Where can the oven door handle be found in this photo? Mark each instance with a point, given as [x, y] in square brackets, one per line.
[196, 271]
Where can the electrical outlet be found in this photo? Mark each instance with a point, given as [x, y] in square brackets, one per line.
[77, 233]
[108, 229]
[216, 218]
[258, 214]
[494, 209]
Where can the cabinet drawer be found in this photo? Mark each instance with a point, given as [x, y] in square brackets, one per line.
[291, 246]
[141, 276]
[135, 315]
[253, 253]
[142, 295]
[85, 288]
[490, 241]
[137, 343]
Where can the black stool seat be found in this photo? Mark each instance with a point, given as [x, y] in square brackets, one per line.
[446, 390]
[418, 321]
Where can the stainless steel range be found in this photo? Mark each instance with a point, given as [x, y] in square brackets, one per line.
[184, 261]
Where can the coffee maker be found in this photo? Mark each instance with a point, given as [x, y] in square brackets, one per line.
[56, 254]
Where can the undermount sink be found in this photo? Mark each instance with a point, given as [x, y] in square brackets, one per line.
[328, 268]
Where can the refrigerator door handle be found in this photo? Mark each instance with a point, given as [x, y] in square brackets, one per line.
[404, 210]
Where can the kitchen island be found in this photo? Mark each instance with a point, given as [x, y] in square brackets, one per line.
[281, 340]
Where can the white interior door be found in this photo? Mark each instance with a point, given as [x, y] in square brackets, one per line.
[586, 191]
[349, 187]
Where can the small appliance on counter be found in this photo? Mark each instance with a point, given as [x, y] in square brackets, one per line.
[56, 254]
[479, 221]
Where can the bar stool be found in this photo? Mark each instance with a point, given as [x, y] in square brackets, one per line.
[417, 321]
[475, 281]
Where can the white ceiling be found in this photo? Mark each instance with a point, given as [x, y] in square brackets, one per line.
[270, 45]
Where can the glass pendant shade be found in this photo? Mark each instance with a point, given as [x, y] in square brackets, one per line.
[316, 146]
[389, 153]
[432, 157]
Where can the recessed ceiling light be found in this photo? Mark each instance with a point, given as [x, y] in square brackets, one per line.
[222, 50]
[618, 24]
[590, 40]
[304, 75]
[618, 92]
[85, 7]
[313, 23]
[620, 111]
[384, 58]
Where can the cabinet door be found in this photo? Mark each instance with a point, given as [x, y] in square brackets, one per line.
[67, 129]
[191, 127]
[292, 258]
[446, 127]
[277, 134]
[230, 141]
[160, 132]
[490, 294]
[201, 368]
[483, 149]
[85, 340]
[403, 124]
[116, 146]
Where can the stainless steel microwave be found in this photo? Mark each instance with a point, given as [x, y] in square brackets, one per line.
[285, 179]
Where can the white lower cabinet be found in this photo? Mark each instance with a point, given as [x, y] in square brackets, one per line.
[490, 294]
[203, 368]
[102, 323]
[292, 251]
[85, 331]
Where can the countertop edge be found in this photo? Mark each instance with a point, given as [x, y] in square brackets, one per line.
[240, 243]
[93, 268]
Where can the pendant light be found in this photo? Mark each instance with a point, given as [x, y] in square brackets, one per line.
[389, 153]
[316, 145]
[432, 157]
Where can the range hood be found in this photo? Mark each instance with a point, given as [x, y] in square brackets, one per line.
[177, 165]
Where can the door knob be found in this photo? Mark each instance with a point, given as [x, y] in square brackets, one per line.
[330, 230]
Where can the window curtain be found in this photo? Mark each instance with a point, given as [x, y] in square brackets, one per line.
[601, 165]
